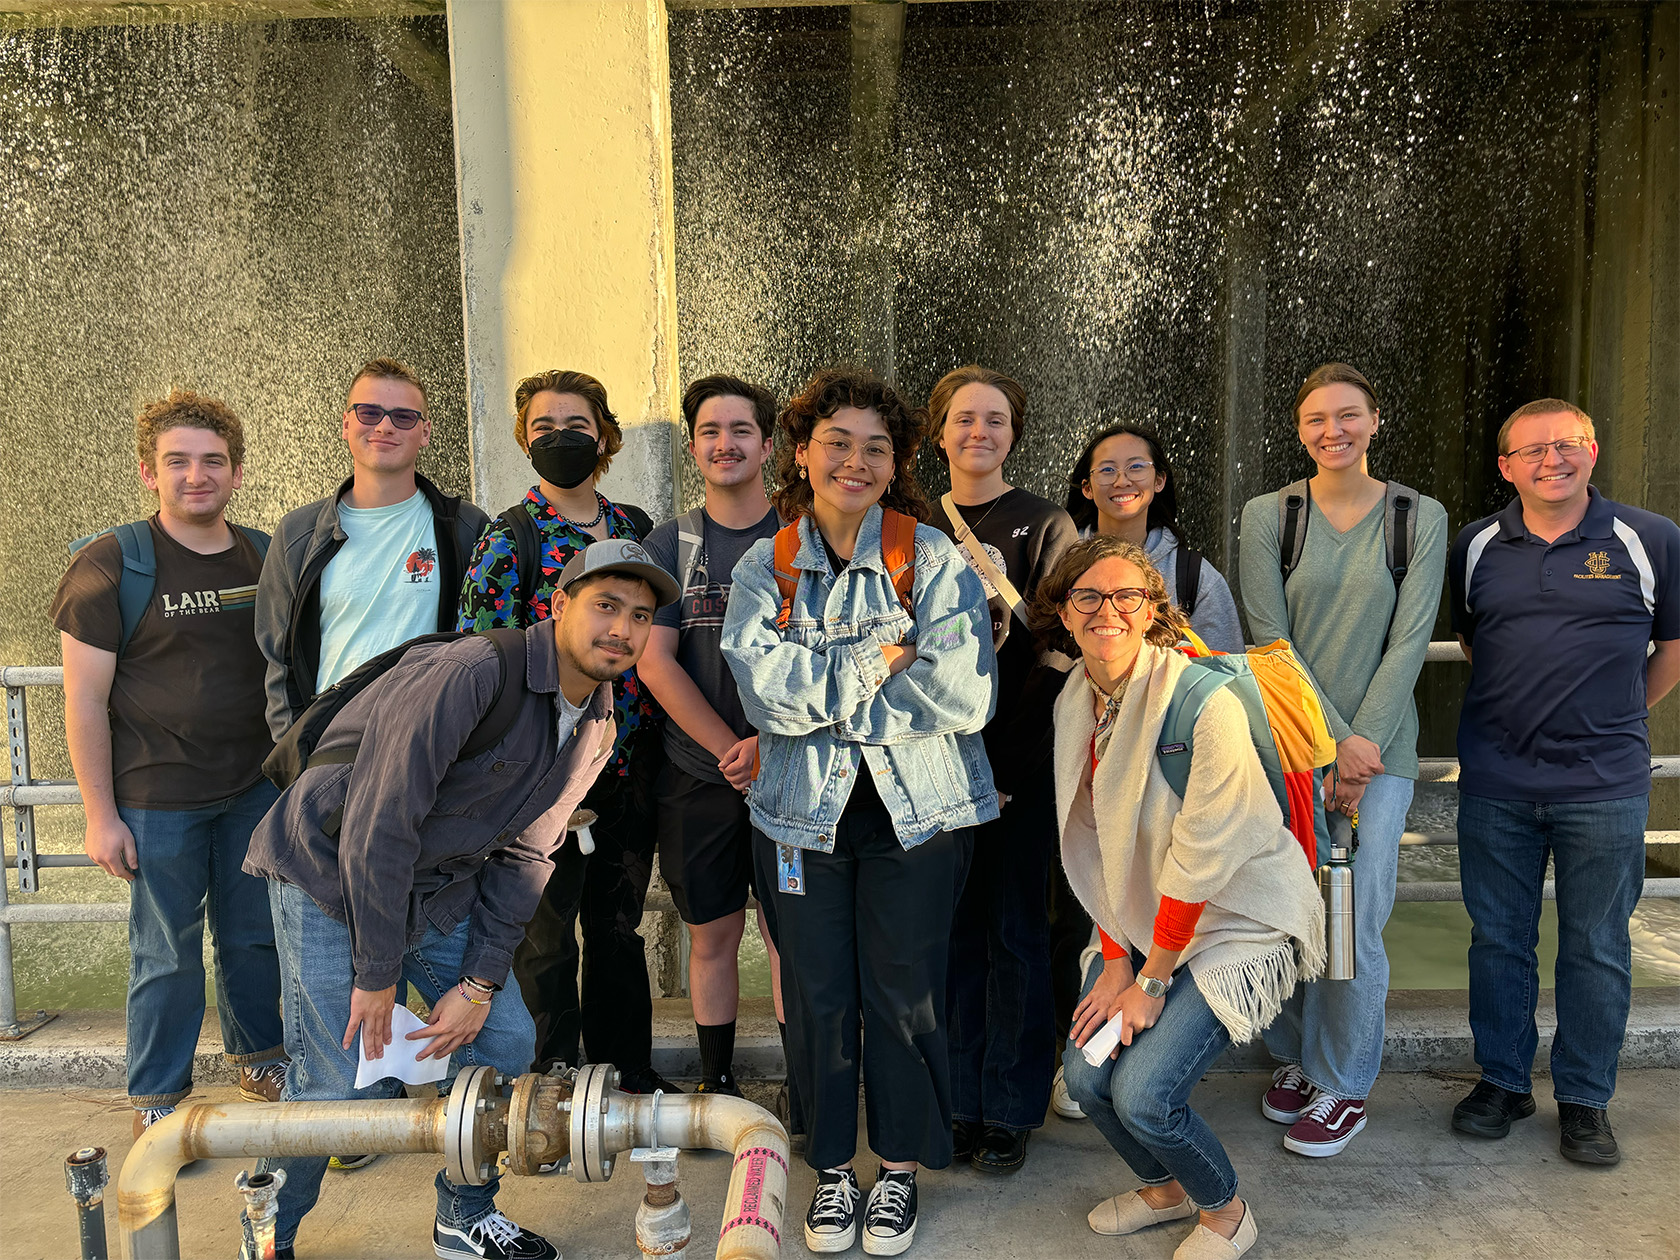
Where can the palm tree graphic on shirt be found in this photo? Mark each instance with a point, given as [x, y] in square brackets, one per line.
[420, 564]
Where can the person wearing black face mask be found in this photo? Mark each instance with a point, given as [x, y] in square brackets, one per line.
[564, 424]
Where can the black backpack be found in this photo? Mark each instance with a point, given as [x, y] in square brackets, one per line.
[1189, 578]
[295, 751]
[528, 547]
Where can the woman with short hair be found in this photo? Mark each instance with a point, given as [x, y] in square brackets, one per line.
[1361, 627]
[1208, 914]
[862, 651]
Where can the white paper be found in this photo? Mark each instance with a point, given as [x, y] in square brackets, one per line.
[1101, 1043]
[400, 1056]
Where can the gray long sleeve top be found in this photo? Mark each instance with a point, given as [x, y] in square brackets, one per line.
[1336, 609]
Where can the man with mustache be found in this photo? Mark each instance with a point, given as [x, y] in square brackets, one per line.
[365, 894]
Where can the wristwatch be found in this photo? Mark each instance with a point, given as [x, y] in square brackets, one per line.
[1153, 987]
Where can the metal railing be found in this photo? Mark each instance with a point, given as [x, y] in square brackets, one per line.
[25, 793]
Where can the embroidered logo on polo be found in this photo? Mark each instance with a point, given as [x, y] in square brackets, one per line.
[1598, 566]
[193, 603]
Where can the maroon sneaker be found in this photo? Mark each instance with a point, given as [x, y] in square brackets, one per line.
[1326, 1126]
[1289, 1095]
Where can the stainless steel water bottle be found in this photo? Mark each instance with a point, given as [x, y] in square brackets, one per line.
[1335, 884]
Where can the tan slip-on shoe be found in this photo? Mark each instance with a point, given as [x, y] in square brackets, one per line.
[1127, 1213]
[1204, 1244]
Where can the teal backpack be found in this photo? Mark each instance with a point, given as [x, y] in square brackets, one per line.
[139, 574]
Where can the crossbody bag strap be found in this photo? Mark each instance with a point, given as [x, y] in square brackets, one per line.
[977, 552]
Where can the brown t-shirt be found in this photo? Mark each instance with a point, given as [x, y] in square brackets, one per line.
[187, 726]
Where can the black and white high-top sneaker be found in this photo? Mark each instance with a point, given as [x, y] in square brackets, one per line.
[492, 1237]
[889, 1222]
[831, 1220]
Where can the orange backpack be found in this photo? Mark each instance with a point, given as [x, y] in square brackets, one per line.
[898, 549]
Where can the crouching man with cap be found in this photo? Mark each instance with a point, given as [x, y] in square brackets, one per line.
[399, 854]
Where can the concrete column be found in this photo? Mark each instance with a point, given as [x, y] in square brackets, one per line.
[563, 169]
[877, 55]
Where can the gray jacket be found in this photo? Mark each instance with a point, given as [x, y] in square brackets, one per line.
[426, 839]
[289, 594]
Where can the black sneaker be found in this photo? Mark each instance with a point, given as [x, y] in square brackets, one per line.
[831, 1220]
[720, 1085]
[890, 1219]
[1584, 1135]
[645, 1081]
[492, 1237]
[1487, 1111]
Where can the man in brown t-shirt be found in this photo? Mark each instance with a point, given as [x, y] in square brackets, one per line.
[167, 739]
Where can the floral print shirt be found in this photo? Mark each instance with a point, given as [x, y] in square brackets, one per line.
[490, 597]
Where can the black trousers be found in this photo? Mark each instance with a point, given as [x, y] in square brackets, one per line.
[605, 891]
[864, 956]
[1070, 933]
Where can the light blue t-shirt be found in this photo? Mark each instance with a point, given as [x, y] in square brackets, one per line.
[381, 588]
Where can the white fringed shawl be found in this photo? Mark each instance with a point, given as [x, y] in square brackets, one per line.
[1225, 844]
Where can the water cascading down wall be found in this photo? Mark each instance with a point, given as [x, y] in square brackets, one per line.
[1145, 211]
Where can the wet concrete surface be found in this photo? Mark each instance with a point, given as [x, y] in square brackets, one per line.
[1406, 1187]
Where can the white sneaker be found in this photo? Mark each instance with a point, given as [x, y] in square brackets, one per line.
[1061, 1102]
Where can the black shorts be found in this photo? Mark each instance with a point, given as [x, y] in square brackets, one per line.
[705, 845]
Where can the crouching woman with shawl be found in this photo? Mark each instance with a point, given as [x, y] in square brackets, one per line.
[1207, 912]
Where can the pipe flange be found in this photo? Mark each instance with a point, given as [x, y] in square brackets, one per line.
[537, 1125]
[591, 1161]
[466, 1162]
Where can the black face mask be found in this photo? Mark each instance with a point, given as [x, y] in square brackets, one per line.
[565, 458]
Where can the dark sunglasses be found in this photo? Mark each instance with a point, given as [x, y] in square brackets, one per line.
[371, 414]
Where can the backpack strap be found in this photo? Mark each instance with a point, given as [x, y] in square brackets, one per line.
[1189, 581]
[787, 576]
[691, 536]
[256, 538]
[1399, 529]
[504, 707]
[1294, 508]
[139, 577]
[1178, 728]
[898, 550]
[527, 551]
[977, 552]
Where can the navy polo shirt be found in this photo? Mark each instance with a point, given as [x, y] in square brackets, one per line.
[1559, 632]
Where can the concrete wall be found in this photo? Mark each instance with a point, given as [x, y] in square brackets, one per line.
[563, 162]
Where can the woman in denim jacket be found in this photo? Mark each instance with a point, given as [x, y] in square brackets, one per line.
[872, 775]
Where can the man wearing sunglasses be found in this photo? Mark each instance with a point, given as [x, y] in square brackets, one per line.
[1567, 605]
[376, 563]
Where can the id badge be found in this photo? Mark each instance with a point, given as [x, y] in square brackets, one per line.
[790, 869]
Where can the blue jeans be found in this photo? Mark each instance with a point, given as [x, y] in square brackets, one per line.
[316, 970]
[1334, 1028]
[1598, 854]
[190, 873]
[1140, 1101]
[1000, 1012]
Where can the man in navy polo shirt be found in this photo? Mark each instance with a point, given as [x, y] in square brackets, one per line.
[1567, 605]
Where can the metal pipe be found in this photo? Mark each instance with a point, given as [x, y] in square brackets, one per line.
[262, 1207]
[1451, 890]
[146, 1186]
[86, 1177]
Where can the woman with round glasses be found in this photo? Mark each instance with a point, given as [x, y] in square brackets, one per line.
[1206, 912]
[862, 649]
[1122, 486]
[1320, 567]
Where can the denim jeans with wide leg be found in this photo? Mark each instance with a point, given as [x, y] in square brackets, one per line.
[1334, 1028]
[190, 875]
[1597, 850]
[1002, 1018]
[317, 978]
[1140, 1101]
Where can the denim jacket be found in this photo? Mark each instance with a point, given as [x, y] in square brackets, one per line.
[825, 707]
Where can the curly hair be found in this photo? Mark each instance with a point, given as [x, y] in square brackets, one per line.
[585, 387]
[184, 409]
[1044, 614]
[939, 402]
[830, 390]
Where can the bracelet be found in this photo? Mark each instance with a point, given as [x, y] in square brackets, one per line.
[478, 984]
[462, 990]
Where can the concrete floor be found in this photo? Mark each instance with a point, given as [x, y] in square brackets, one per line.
[1407, 1187]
